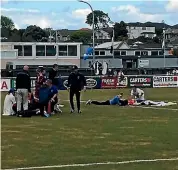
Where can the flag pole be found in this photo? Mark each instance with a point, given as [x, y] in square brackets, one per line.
[113, 41]
[164, 44]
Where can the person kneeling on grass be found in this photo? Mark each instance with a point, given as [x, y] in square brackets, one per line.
[8, 103]
[138, 94]
[117, 100]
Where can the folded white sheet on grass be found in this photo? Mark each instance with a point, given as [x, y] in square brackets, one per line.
[153, 103]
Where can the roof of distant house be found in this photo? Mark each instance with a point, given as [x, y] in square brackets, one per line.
[147, 33]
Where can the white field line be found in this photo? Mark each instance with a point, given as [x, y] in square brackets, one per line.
[144, 107]
[93, 164]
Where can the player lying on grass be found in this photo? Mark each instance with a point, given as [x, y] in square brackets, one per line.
[117, 100]
[137, 94]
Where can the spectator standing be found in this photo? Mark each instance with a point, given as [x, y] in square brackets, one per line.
[76, 82]
[53, 75]
[23, 87]
[40, 80]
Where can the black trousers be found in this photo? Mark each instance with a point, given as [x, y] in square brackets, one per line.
[71, 96]
[101, 103]
[45, 105]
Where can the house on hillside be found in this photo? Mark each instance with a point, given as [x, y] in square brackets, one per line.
[171, 34]
[137, 31]
[132, 55]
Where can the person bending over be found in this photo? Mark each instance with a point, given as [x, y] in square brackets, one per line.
[117, 100]
[138, 94]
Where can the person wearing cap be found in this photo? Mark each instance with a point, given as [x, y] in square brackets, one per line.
[8, 103]
[23, 87]
[76, 82]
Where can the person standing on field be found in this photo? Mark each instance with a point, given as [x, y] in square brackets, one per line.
[76, 82]
[53, 75]
[23, 87]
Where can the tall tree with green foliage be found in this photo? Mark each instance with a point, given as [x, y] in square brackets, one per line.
[101, 19]
[34, 33]
[7, 23]
[81, 36]
[120, 31]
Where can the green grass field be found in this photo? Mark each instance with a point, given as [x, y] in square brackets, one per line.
[100, 134]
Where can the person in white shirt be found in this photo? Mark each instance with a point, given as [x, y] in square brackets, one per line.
[8, 103]
[138, 94]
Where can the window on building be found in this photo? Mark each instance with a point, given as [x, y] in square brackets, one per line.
[50, 50]
[123, 52]
[40, 50]
[144, 53]
[161, 52]
[19, 48]
[137, 53]
[72, 50]
[96, 52]
[117, 53]
[62, 50]
[102, 52]
[27, 50]
[143, 28]
[154, 53]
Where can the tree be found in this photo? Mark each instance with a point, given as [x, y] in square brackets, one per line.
[5, 32]
[101, 19]
[7, 23]
[120, 31]
[34, 33]
[81, 36]
[15, 36]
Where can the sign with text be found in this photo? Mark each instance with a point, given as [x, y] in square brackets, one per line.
[108, 82]
[141, 81]
[165, 81]
[5, 85]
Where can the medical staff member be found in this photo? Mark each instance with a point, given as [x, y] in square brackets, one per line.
[137, 94]
[114, 101]
[8, 103]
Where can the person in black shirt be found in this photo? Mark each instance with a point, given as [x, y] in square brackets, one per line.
[53, 74]
[76, 82]
[23, 87]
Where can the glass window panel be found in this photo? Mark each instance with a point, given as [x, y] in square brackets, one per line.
[50, 50]
[123, 52]
[154, 53]
[96, 52]
[40, 50]
[72, 50]
[62, 50]
[27, 50]
[137, 53]
[117, 53]
[19, 48]
[102, 52]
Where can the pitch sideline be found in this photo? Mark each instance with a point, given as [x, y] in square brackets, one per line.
[93, 164]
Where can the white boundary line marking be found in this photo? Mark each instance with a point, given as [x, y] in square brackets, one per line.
[92, 164]
[144, 107]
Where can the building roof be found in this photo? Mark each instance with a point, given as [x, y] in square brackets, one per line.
[108, 45]
[146, 45]
[171, 31]
[148, 33]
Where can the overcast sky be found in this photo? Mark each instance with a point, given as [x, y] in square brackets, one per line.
[72, 14]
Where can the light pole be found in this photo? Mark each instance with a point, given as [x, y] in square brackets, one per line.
[93, 27]
[164, 44]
